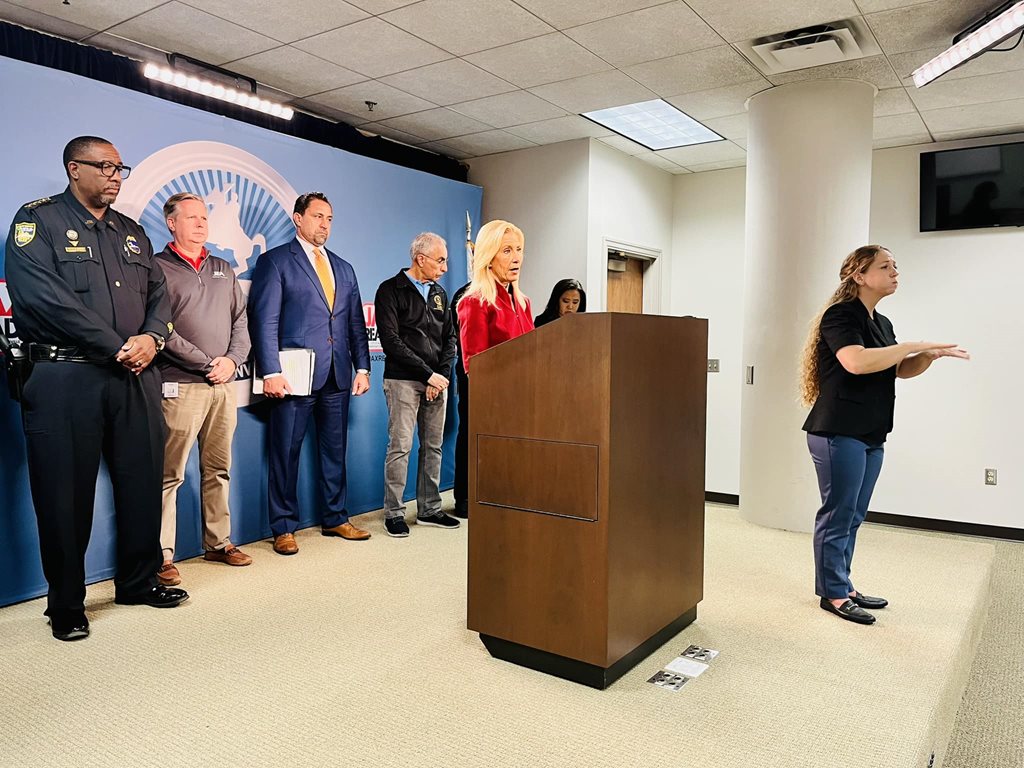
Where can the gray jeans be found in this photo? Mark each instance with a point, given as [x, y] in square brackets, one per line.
[408, 408]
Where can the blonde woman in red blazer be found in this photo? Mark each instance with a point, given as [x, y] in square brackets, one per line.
[494, 310]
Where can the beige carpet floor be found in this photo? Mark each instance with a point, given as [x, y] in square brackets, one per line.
[356, 654]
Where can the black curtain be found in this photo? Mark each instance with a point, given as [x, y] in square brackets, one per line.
[36, 48]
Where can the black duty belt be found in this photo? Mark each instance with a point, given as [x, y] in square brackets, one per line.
[40, 353]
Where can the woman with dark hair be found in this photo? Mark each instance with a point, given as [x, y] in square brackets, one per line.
[850, 365]
[567, 297]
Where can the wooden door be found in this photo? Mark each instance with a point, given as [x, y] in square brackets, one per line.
[626, 289]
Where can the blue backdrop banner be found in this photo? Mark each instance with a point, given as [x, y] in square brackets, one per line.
[250, 178]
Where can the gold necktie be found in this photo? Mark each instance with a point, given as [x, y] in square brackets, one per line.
[323, 271]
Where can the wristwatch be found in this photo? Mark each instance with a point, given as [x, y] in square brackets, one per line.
[160, 342]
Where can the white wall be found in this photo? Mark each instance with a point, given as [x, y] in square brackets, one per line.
[543, 191]
[707, 281]
[958, 418]
[630, 202]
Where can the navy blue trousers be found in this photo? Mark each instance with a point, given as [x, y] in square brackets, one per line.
[289, 420]
[847, 470]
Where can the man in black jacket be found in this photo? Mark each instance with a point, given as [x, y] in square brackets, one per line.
[415, 329]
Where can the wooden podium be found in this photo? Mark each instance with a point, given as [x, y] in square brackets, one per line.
[586, 492]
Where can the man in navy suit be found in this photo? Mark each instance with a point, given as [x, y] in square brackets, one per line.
[304, 296]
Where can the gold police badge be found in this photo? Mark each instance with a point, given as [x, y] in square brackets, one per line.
[438, 304]
[24, 232]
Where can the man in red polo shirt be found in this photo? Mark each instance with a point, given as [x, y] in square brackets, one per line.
[210, 340]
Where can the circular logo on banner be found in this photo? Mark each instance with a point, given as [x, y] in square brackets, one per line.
[249, 206]
[248, 201]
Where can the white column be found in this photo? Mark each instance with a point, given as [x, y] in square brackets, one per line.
[808, 206]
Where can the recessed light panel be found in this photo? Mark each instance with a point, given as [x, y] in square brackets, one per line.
[655, 124]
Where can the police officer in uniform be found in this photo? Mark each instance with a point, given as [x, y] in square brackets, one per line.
[93, 310]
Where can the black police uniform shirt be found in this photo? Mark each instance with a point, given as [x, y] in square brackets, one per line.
[858, 406]
[77, 281]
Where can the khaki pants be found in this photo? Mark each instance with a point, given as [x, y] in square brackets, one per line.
[209, 414]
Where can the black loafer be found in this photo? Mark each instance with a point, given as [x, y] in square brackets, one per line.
[461, 510]
[71, 633]
[866, 601]
[849, 611]
[157, 597]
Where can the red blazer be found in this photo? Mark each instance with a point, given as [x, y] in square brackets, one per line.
[483, 325]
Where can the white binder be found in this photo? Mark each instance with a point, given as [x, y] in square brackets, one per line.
[297, 365]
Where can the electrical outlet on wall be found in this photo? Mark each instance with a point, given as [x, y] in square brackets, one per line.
[991, 476]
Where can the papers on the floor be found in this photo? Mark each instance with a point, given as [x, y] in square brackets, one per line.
[669, 680]
[297, 366]
[688, 667]
[691, 663]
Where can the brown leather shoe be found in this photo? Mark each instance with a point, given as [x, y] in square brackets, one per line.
[230, 554]
[285, 544]
[347, 531]
[168, 575]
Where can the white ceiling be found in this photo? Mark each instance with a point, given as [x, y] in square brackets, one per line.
[475, 77]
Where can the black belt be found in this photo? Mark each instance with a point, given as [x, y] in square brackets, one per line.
[40, 353]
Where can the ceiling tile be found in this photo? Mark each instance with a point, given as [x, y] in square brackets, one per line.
[488, 143]
[570, 13]
[968, 90]
[623, 144]
[925, 25]
[737, 20]
[652, 158]
[901, 141]
[372, 47]
[719, 102]
[893, 101]
[209, 38]
[392, 133]
[436, 124]
[448, 82]
[391, 102]
[976, 133]
[559, 129]
[381, 6]
[893, 126]
[294, 71]
[591, 92]
[96, 14]
[731, 127]
[699, 71]
[741, 143]
[130, 48]
[874, 69]
[997, 115]
[645, 35]
[468, 26]
[280, 20]
[712, 152]
[540, 60]
[873, 6]
[719, 166]
[507, 109]
[26, 17]
[443, 149]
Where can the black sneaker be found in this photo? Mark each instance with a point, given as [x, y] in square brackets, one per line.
[440, 520]
[396, 527]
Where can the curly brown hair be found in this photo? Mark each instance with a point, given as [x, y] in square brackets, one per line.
[857, 262]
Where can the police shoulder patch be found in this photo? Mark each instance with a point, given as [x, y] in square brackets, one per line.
[37, 203]
[24, 232]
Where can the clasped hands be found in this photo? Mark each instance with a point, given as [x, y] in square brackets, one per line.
[137, 353]
[436, 384]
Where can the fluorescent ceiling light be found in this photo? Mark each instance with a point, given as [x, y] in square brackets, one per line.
[216, 91]
[971, 45]
[655, 124]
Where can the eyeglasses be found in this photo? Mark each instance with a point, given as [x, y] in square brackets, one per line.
[107, 168]
[443, 260]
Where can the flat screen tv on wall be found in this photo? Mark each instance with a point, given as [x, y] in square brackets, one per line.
[972, 188]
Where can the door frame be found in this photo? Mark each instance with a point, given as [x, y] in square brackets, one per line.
[654, 280]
